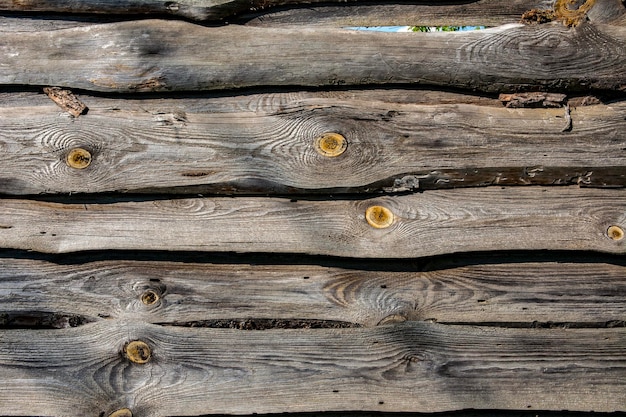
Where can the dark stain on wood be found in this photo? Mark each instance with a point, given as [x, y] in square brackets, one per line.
[264, 324]
[40, 320]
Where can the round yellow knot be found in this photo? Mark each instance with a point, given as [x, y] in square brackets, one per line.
[150, 297]
[615, 233]
[379, 217]
[137, 351]
[78, 158]
[331, 144]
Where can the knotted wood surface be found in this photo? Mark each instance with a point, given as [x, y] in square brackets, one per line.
[397, 141]
[242, 207]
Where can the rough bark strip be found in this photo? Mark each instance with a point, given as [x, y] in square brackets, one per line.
[155, 55]
[432, 223]
[66, 100]
[410, 367]
[582, 294]
[265, 143]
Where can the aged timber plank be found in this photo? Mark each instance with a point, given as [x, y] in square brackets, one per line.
[266, 143]
[435, 222]
[493, 12]
[157, 55]
[516, 294]
[473, 13]
[476, 13]
[310, 12]
[414, 366]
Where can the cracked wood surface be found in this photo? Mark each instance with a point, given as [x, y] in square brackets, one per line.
[265, 143]
[432, 223]
[159, 55]
[477, 327]
[509, 294]
[414, 366]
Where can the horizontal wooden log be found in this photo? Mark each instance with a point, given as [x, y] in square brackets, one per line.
[266, 143]
[487, 13]
[476, 13]
[516, 294]
[156, 55]
[411, 367]
[432, 223]
[311, 12]
[482, 12]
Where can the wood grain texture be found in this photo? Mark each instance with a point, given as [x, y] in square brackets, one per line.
[265, 143]
[473, 13]
[409, 367]
[435, 222]
[487, 13]
[579, 295]
[318, 13]
[156, 55]
[493, 12]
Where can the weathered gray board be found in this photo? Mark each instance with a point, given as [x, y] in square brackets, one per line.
[526, 294]
[492, 11]
[409, 366]
[158, 55]
[432, 223]
[491, 330]
[398, 140]
[320, 12]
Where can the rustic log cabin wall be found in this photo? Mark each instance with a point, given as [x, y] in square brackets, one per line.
[238, 207]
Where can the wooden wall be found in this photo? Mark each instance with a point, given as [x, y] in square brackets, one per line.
[237, 207]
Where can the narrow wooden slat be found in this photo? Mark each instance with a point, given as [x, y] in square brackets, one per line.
[432, 223]
[155, 55]
[410, 367]
[265, 143]
[579, 295]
